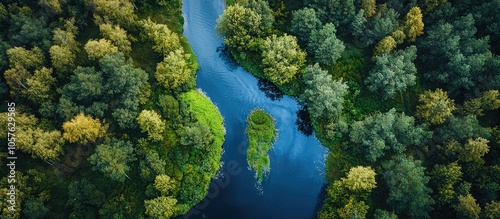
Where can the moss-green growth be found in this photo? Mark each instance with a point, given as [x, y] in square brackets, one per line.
[261, 134]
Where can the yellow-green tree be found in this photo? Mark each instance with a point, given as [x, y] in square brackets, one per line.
[151, 123]
[360, 179]
[474, 149]
[83, 129]
[161, 207]
[467, 207]
[117, 36]
[282, 58]
[163, 38]
[435, 107]
[354, 210]
[370, 7]
[164, 184]
[414, 25]
[174, 71]
[96, 49]
[384, 46]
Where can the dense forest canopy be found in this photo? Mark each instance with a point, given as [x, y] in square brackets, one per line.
[108, 122]
[404, 94]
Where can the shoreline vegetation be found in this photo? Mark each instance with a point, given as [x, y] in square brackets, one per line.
[391, 90]
[261, 133]
[126, 134]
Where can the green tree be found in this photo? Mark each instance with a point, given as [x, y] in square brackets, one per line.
[152, 166]
[151, 123]
[63, 59]
[52, 5]
[117, 36]
[164, 184]
[492, 210]
[325, 46]
[382, 214]
[393, 72]
[430, 5]
[34, 208]
[83, 129]
[112, 158]
[262, 8]
[282, 58]
[96, 49]
[444, 178]
[163, 38]
[435, 107]
[84, 198]
[360, 180]
[174, 72]
[358, 24]
[489, 100]
[240, 26]
[467, 207]
[46, 145]
[324, 96]
[161, 207]
[378, 133]
[40, 86]
[407, 185]
[25, 29]
[196, 135]
[304, 22]
[381, 25]
[474, 150]
[353, 210]
[414, 25]
[115, 11]
[462, 128]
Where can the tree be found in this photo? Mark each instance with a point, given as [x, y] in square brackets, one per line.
[489, 100]
[152, 166]
[382, 214]
[163, 38]
[115, 11]
[444, 178]
[407, 185]
[399, 36]
[381, 25]
[360, 179]
[474, 150]
[432, 4]
[40, 86]
[393, 72]
[325, 46]
[385, 45]
[53, 5]
[467, 207]
[151, 123]
[239, 26]
[117, 36]
[324, 97]
[358, 24]
[83, 129]
[34, 208]
[46, 145]
[462, 128]
[112, 158]
[67, 37]
[282, 58]
[63, 59]
[196, 135]
[262, 8]
[98, 49]
[83, 196]
[161, 207]
[174, 72]
[414, 25]
[24, 29]
[164, 184]
[492, 210]
[354, 210]
[369, 7]
[435, 107]
[304, 22]
[378, 133]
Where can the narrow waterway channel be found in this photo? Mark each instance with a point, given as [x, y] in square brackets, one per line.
[292, 187]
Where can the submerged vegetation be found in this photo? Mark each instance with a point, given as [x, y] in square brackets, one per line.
[404, 94]
[261, 134]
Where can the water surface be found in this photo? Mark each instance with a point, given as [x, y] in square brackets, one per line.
[292, 187]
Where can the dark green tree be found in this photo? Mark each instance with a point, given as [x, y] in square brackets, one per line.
[304, 22]
[325, 46]
[112, 158]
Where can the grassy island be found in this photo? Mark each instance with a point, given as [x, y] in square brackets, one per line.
[261, 134]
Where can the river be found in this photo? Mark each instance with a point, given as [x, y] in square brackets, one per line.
[291, 189]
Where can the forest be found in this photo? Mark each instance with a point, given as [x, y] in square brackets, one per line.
[106, 119]
[403, 93]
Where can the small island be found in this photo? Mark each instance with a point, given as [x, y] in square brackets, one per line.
[261, 134]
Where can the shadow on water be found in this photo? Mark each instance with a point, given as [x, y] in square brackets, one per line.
[226, 56]
[303, 121]
[270, 90]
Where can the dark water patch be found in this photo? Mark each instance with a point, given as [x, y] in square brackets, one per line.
[226, 56]
[303, 121]
[270, 90]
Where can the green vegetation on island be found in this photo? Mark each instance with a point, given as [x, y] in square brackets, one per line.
[261, 134]
[108, 121]
[402, 92]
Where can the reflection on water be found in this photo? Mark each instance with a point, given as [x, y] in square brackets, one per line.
[270, 90]
[226, 56]
[304, 121]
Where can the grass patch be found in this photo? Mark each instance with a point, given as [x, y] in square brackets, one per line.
[261, 134]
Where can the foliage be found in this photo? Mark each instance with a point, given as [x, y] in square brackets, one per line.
[385, 45]
[378, 133]
[304, 22]
[406, 181]
[112, 157]
[151, 123]
[174, 71]
[435, 107]
[160, 207]
[324, 97]
[325, 46]
[96, 49]
[393, 73]
[413, 24]
[83, 129]
[444, 178]
[165, 41]
[382, 24]
[282, 58]
[360, 179]
[492, 210]
[353, 210]
[261, 134]
[239, 26]
[467, 207]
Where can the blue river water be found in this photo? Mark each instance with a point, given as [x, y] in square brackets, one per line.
[292, 188]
